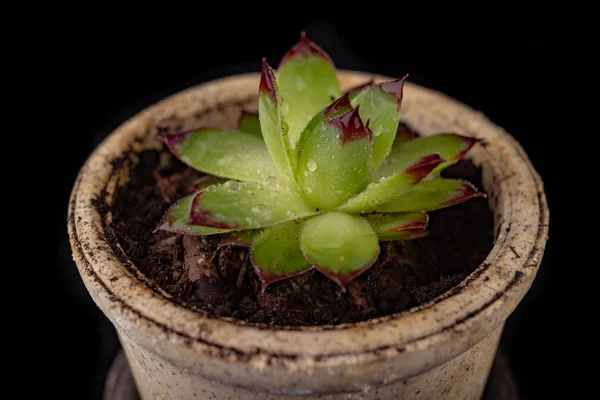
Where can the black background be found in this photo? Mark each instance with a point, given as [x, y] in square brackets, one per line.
[105, 72]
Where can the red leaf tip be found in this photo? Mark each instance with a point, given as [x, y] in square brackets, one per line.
[466, 192]
[469, 191]
[469, 143]
[200, 216]
[173, 139]
[351, 127]
[340, 105]
[267, 81]
[424, 166]
[343, 280]
[416, 226]
[395, 87]
[306, 48]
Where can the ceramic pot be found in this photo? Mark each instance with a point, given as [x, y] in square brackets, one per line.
[441, 349]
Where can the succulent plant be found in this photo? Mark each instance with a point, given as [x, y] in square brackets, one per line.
[319, 177]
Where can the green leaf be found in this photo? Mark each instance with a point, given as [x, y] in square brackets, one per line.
[380, 104]
[276, 252]
[398, 226]
[247, 205]
[176, 220]
[272, 126]
[250, 123]
[450, 147]
[307, 82]
[388, 189]
[339, 245]
[227, 154]
[335, 157]
[432, 195]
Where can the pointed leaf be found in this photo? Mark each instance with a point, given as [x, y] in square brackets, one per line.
[380, 104]
[339, 245]
[250, 123]
[246, 205]
[272, 126]
[398, 226]
[391, 188]
[450, 147]
[335, 159]
[276, 252]
[318, 123]
[432, 195]
[307, 82]
[227, 154]
[176, 220]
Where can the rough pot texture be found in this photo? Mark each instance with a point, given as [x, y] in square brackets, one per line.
[441, 349]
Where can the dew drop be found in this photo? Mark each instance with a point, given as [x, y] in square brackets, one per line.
[290, 214]
[284, 128]
[311, 165]
[232, 185]
[262, 211]
[271, 180]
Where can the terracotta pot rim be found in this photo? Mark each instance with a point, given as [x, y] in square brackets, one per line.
[508, 271]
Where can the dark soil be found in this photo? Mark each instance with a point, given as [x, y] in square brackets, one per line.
[223, 283]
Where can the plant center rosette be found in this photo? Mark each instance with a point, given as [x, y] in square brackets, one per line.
[319, 177]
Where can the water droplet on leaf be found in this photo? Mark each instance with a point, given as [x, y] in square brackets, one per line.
[232, 185]
[262, 211]
[311, 165]
[284, 128]
[271, 180]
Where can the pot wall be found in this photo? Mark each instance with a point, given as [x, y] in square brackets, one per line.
[463, 377]
[441, 349]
